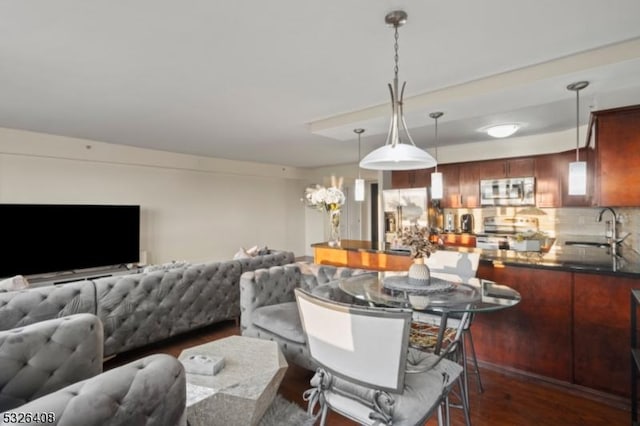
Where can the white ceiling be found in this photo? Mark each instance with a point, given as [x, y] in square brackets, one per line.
[286, 81]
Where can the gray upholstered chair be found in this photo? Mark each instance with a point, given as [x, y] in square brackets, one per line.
[268, 306]
[53, 368]
[367, 371]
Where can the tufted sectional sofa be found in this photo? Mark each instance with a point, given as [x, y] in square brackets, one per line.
[142, 308]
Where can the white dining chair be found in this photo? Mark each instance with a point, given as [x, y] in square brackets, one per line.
[367, 371]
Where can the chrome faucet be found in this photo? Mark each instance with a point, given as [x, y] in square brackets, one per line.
[613, 239]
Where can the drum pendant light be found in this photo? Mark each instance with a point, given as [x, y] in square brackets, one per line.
[437, 184]
[578, 169]
[396, 155]
[358, 193]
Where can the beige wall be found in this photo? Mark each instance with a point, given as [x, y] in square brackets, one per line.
[193, 208]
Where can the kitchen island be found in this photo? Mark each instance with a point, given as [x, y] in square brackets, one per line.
[361, 254]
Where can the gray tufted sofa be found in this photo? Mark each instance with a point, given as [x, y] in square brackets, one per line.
[142, 308]
[52, 368]
[268, 305]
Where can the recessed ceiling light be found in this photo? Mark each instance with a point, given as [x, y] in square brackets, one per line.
[502, 130]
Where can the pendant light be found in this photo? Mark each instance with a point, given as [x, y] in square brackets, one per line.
[358, 193]
[578, 169]
[396, 155]
[437, 189]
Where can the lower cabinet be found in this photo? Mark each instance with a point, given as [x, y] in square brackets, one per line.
[535, 335]
[602, 330]
[573, 327]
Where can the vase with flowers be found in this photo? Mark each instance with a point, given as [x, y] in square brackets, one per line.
[329, 200]
[417, 239]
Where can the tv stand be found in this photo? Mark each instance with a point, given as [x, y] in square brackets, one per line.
[65, 277]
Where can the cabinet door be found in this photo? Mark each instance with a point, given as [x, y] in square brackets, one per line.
[470, 175]
[534, 335]
[521, 167]
[493, 169]
[410, 178]
[548, 185]
[602, 330]
[451, 186]
[617, 144]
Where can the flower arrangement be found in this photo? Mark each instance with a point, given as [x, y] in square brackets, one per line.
[418, 241]
[325, 199]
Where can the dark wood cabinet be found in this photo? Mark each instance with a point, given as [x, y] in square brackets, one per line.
[535, 335]
[548, 185]
[601, 332]
[512, 167]
[451, 186]
[618, 156]
[470, 175]
[411, 178]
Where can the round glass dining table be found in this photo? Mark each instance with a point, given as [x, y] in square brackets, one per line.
[447, 294]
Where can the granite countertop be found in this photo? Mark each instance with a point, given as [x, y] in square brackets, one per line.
[560, 257]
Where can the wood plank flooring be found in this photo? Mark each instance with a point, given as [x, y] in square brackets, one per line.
[508, 400]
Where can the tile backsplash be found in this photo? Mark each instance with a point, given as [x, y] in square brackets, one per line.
[568, 220]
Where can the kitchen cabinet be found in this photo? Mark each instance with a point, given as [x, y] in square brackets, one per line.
[618, 157]
[458, 240]
[512, 167]
[601, 332]
[534, 335]
[469, 184]
[548, 185]
[410, 178]
[451, 185]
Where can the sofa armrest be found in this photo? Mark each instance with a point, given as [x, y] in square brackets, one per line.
[46, 356]
[149, 391]
[264, 287]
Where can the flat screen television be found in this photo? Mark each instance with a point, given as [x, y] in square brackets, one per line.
[47, 238]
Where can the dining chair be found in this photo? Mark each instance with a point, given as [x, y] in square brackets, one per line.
[457, 266]
[368, 373]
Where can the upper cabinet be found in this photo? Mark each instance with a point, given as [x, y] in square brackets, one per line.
[513, 167]
[410, 178]
[618, 157]
[548, 187]
[451, 186]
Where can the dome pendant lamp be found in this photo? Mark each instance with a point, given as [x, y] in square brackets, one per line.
[396, 155]
[358, 193]
[578, 169]
[437, 184]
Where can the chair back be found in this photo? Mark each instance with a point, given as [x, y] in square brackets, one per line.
[364, 345]
[465, 265]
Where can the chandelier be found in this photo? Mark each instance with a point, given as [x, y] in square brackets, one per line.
[396, 154]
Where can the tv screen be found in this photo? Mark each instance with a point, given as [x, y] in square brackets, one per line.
[45, 238]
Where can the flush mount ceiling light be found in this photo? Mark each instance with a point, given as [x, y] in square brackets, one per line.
[396, 155]
[578, 169]
[436, 176]
[502, 130]
[358, 193]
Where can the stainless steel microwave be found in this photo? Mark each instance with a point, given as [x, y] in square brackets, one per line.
[508, 192]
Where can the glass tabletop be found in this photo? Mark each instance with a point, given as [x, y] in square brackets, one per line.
[449, 293]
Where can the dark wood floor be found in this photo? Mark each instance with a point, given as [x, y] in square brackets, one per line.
[508, 399]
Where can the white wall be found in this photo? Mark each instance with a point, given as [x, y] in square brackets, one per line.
[193, 208]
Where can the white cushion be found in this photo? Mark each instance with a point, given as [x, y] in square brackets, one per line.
[14, 283]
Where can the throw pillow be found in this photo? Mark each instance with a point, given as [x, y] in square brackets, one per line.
[14, 283]
[241, 254]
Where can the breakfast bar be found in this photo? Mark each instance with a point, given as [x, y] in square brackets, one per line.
[361, 254]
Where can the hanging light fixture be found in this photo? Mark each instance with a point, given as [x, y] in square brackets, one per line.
[578, 169]
[436, 177]
[396, 155]
[358, 193]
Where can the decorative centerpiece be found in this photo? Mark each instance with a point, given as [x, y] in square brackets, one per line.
[418, 241]
[329, 200]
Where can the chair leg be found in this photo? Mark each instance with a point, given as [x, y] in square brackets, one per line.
[464, 398]
[475, 361]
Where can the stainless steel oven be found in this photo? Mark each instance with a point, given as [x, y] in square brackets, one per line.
[508, 192]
